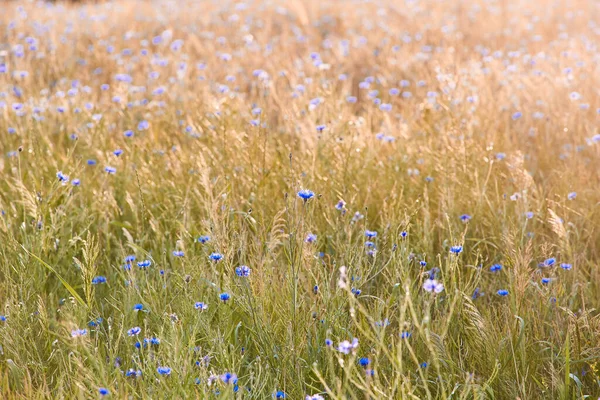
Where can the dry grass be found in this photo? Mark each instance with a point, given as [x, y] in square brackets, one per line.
[496, 116]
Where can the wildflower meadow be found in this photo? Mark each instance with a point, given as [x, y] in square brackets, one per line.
[300, 199]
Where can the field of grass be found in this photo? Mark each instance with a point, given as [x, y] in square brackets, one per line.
[302, 199]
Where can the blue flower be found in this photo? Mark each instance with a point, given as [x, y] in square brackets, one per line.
[280, 395]
[364, 361]
[496, 267]
[132, 373]
[200, 306]
[98, 280]
[110, 170]
[549, 262]
[423, 263]
[403, 234]
[130, 258]
[405, 335]
[138, 307]
[340, 205]
[79, 332]
[305, 194]
[228, 378]
[216, 257]
[545, 281]
[566, 267]
[91, 162]
[320, 128]
[356, 292]
[465, 217]
[144, 264]
[178, 253]
[62, 177]
[572, 195]
[134, 331]
[370, 234]
[529, 215]
[103, 391]
[328, 342]
[143, 125]
[243, 271]
[224, 297]
[456, 249]
[423, 365]
[118, 152]
[2, 318]
[166, 371]
[76, 182]
[502, 292]
[203, 239]
[128, 133]
[311, 238]
[517, 115]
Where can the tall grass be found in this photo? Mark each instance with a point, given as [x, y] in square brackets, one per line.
[490, 142]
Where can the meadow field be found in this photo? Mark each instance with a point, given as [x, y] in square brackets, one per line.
[300, 199]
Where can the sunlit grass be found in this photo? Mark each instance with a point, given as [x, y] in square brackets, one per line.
[346, 199]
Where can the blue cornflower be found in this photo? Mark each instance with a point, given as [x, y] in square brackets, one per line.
[144, 264]
[91, 162]
[178, 253]
[76, 182]
[134, 331]
[545, 281]
[517, 115]
[79, 332]
[369, 244]
[364, 361]
[62, 177]
[503, 292]
[423, 263]
[405, 335]
[496, 267]
[328, 342]
[118, 152]
[423, 365]
[549, 262]
[456, 249]
[128, 133]
[356, 292]
[103, 391]
[2, 318]
[340, 205]
[143, 125]
[403, 234]
[166, 371]
[477, 293]
[305, 194]
[280, 395]
[110, 170]
[203, 239]
[228, 377]
[243, 271]
[529, 215]
[500, 156]
[370, 234]
[138, 307]
[572, 195]
[132, 373]
[316, 289]
[320, 128]
[465, 218]
[200, 306]
[98, 280]
[311, 238]
[224, 297]
[566, 267]
[216, 257]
